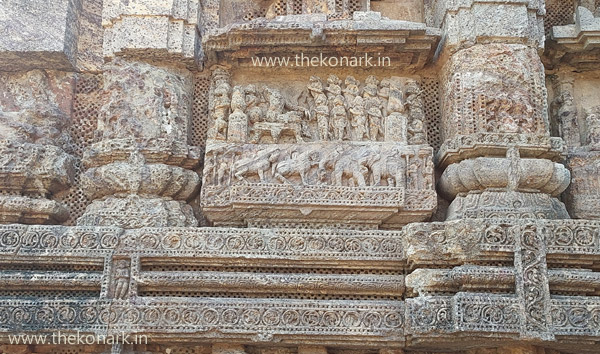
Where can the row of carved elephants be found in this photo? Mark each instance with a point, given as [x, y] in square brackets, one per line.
[357, 165]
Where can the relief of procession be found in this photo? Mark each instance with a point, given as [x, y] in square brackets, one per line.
[346, 164]
[332, 110]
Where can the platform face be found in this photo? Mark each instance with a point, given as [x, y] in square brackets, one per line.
[427, 285]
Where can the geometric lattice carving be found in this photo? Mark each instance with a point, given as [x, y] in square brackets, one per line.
[558, 13]
[199, 122]
[433, 114]
[86, 104]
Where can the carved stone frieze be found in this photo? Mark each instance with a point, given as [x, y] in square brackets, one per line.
[327, 110]
[303, 181]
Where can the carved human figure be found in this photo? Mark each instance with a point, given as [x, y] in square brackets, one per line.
[276, 105]
[592, 120]
[334, 88]
[338, 118]
[358, 123]
[428, 173]
[221, 106]
[415, 180]
[253, 105]
[395, 101]
[373, 108]
[351, 90]
[416, 132]
[237, 131]
[384, 94]
[121, 279]
[315, 88]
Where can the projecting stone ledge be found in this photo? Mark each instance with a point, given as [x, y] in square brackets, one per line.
[38, 34]
[583, 35]
[408, 44]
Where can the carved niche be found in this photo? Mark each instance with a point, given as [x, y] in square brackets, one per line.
[344, 150]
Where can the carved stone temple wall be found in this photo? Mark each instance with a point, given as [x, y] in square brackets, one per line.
[161, 192]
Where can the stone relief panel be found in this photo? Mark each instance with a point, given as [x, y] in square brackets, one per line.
[328, 110]
[332, 143]
[502, 91]
[313, 178]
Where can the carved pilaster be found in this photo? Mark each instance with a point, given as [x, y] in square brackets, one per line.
[141, 170]
[493, 106]
[532, 282]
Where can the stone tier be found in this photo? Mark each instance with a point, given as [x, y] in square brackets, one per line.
[409, 45]
[166, 282]
[377, 184]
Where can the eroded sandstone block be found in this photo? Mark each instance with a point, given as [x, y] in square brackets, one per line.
[34, 116]
[152, 30]
[39, 35]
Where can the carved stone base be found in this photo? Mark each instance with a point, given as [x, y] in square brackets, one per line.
[507, 205]
[134, 212]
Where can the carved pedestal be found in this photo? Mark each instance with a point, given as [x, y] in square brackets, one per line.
[511, 187]
[141, 172]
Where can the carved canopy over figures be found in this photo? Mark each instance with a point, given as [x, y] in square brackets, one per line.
[328, 110]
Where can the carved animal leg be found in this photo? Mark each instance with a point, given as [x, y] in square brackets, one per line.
[282, 179]
[360, 179]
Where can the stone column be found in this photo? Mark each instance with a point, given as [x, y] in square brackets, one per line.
[141, 170]
[34, 116]
[497, 152]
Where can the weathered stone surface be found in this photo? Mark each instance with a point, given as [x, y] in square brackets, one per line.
[150, 30]
[140, 172]
[469, 22]
[34, 114]
[39, 35]
[318, 187]
[582, 197]
[582, 35]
